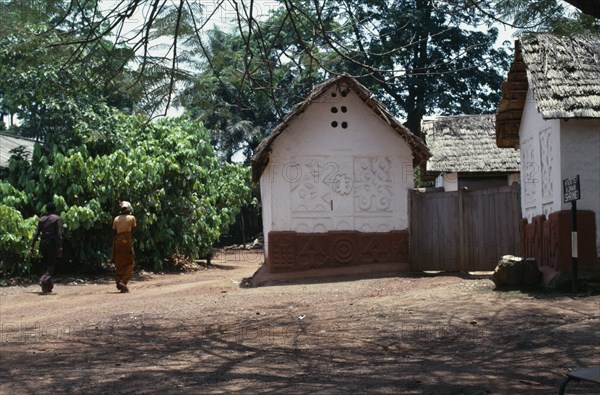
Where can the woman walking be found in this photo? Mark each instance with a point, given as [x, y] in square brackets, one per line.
[122, 252]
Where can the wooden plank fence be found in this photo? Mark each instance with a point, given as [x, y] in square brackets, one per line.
[463, 230]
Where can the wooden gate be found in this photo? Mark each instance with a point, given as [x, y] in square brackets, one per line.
[463, 230]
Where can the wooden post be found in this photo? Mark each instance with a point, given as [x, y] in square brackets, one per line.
[574, 245]
[572, 193]
[461, 229]
[412, 227]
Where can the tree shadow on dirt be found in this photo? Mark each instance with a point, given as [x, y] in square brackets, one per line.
[250, 282]
[520, 349]
[542, 293]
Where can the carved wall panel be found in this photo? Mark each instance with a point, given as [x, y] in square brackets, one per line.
[283, 251]
[530, 212]
[343, 222]
[531, 176]
[546, 166]
[549, 241]
[316, 224]
[292, 251]
[534, 238]
[374, 223]
[374, 190]
[547, 208]
[341, 193]
[308, 191]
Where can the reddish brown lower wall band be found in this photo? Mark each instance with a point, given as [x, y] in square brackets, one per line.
[292, 251]
[549, 240]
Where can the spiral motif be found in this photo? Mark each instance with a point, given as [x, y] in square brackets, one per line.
[343, 250]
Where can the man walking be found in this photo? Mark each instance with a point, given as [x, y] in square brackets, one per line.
[50, 229]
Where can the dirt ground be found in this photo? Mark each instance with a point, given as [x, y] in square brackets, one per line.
[202, 333]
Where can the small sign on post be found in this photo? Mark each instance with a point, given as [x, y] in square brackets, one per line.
[572, 193]
[571, 189]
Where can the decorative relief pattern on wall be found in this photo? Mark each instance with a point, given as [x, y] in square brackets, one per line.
[529, 213]
[547, 209]
[374, 224]
[317, 224]
[547, 159]
[291, 251]
[549, 240]
[342, 250]
[534, 237]
[343, 223]
[308, 192]
[530, 170]
[550, 245]
[312, 253]
[343, 193]
[373, 187]
[283, 252]
[342, 184]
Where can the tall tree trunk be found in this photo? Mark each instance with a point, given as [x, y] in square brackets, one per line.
[415, 102]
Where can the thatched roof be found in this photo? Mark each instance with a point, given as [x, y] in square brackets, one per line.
[9, 142]
[564, 74]
[466, 143]
[343, 83]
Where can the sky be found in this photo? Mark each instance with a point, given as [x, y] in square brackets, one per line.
[221, 12]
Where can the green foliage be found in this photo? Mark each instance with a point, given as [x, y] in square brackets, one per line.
[426, 58]
[239, 108]
[183, 196]
[553, 16]
[15, 232]
[40, 83]
[64, 92]
[429, 57]
[418, 181]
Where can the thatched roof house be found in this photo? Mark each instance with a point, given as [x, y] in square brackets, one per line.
[550, 109]
[334, 178]
[465, 145]
[562, 72]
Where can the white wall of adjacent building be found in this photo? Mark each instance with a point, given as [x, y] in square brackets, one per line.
[553, 150]
[448, 181]
[580, 153]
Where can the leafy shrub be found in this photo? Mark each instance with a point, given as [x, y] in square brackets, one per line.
[15, 239]
[183, 197]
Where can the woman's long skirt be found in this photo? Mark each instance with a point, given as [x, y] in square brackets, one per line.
[123, 257]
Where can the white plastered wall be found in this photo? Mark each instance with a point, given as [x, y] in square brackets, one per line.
[552, 150]
[514, 177]
[580, 153]
[322, 178]
[540, 162]
[448, 181]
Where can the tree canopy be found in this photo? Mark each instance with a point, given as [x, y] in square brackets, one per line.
[281, 48]
[182, 195]
[97, 147]
[391, 46]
